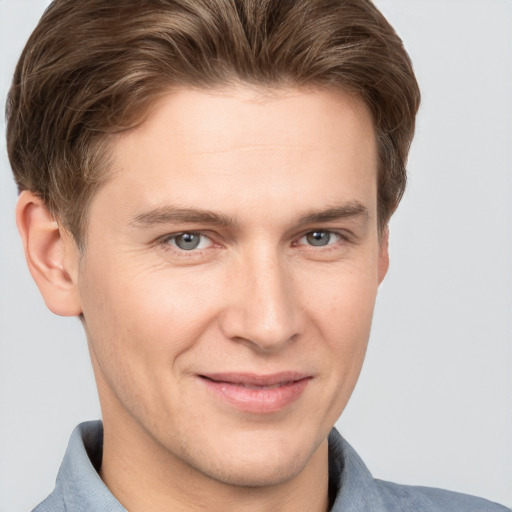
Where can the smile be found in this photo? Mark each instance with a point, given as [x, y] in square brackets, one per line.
[259, 394]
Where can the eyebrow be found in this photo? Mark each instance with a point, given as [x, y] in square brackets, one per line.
[352, 209]
[171, 214]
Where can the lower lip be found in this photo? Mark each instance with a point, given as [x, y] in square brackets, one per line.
[257, 400]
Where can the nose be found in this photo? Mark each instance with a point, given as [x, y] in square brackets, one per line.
[263, 308]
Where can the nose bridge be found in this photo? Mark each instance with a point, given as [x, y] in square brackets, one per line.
[264, 310]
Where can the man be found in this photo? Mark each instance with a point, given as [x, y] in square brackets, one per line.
[207, 185]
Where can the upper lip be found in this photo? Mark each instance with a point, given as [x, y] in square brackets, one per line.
[253, 379]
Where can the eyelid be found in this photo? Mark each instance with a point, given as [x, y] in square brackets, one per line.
[342, 235]
[164, 242]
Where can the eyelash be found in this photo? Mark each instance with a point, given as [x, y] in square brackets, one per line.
[343, 239]
[165, 242]
[328, 246]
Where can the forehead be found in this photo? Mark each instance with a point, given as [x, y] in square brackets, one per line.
[241, 147]
[199, 118]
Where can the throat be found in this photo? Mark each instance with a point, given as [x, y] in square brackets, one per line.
[148, 478]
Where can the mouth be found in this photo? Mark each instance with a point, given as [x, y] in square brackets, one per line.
[260, 394]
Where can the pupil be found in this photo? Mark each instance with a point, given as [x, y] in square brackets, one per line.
[187, 241]
[318, 238]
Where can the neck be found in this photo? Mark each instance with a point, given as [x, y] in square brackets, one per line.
[145, 477]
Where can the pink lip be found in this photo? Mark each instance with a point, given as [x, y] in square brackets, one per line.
[257, 393]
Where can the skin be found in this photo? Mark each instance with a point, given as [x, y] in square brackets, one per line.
[256, 296]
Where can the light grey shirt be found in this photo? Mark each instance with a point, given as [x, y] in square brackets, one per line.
[80, 489]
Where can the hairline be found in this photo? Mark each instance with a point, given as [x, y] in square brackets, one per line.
[262, 91]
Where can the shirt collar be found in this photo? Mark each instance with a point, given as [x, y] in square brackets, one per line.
[355, 487]
[78, 481]
[81, 487]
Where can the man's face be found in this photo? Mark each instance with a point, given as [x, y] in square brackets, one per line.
[231, 266]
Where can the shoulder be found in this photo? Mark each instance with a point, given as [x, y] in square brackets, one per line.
[54, 503]
[405, 498]
[357, 491]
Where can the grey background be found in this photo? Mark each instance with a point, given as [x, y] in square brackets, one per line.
[434, 403]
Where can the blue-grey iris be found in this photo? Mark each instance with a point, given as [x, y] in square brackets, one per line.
[318, 238]
[188, 241]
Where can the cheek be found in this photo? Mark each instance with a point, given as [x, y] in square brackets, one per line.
[137, 317]
[342, 310]
[342, 297]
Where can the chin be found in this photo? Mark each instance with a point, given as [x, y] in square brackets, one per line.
[257, 473]
[253, 461]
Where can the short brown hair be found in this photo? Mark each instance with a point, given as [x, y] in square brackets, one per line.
[91, 68]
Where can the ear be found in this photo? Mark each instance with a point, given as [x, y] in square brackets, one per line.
[51, 253]
[383, 264]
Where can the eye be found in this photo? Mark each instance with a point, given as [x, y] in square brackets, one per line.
[320, 238]
[189, 241]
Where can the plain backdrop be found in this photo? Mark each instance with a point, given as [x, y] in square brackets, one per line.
[434, 402]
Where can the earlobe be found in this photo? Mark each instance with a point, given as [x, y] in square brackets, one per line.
[51, 254]
[383, 255]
